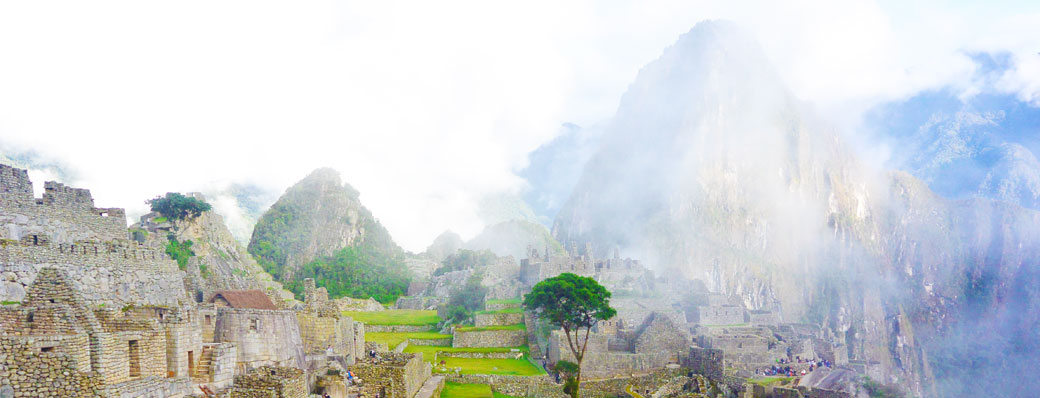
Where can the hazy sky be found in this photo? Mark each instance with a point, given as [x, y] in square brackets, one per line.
[423, 106]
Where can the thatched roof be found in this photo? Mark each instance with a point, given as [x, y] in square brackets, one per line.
[255, 299]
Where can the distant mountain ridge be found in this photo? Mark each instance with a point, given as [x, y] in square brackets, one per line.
[712, 169]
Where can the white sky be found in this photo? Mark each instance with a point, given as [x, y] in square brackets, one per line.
[424, 106]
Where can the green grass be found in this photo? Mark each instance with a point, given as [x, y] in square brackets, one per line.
[518, 326]
[505, 311]
[430, 352]
[508, 367]
[9, 302]
[393, 339]
[632, 392]
[505, 301]
[457, 390]
[498, 395]
[395, 317]
[765, 381]
[159, 220]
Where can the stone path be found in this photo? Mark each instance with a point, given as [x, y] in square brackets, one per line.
[430, 387]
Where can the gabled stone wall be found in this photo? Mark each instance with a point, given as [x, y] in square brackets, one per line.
[263, 337]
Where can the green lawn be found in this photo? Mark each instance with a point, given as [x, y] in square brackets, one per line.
[509, 367]
[458, 390]
[393, 339]
[518, 326]
[516, 301]
[429, 352]
[395, 317]
[766, 381]
[505, 311]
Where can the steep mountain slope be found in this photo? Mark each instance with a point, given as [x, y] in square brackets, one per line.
[314, 218]
[219, 260]
[711, 169]
[319, 229]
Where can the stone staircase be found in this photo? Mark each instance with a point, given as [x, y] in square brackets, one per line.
[204, 373]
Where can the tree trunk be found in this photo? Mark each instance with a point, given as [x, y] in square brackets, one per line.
[577, 378]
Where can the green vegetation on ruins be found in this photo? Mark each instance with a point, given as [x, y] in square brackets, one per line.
[393, 339]
[502, 311]
[516, 301]
[458, 390]
[518, 326]
[485, 366]
[180, 251]
[176, 206]
[396, 317]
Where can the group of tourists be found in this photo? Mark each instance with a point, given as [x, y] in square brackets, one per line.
[780, 370]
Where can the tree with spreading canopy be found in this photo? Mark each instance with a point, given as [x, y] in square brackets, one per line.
[176, 206]
[574, 303]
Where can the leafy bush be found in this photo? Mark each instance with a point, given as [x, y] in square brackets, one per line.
[176, 206]
[465, 259]
[180, 251]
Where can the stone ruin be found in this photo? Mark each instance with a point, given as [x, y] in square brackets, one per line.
[615, 350]
[90, 312]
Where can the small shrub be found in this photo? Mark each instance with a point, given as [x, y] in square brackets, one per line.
[180, 251]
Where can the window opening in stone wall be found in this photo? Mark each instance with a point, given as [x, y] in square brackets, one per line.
[191, 363]
[254, 325]
[36, 240]
[47, 349]
[51, 300]
[30, 317]
[209, 321]
[135, 359]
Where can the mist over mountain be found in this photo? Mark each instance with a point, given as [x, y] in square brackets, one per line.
[555, 167]
[982, 144]
[712, 169]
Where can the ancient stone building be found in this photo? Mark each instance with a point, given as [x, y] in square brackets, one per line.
[64, 230]
[122, 353]
[248, 319]
[614, 350]
[323, 328]
[392, 375]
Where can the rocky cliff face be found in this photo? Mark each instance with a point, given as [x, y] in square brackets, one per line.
[314, 218]
[220, 261]
[711, 169]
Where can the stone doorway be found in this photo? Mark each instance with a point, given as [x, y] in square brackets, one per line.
[134, 351]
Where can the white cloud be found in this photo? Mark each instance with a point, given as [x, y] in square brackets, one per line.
[422, 106]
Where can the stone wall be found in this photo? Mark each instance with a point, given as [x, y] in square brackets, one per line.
[282, 381]
[705, 361]
[263, 337]
[398, 328]
[31, 372]
[720, 315]
[497, 319]
[129, 351]
[396, 375]
[490, 338]
[151, 387]
[62, 215]
[103, 273]
[223, 359]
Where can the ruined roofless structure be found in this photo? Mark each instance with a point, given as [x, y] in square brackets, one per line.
[64, 230]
